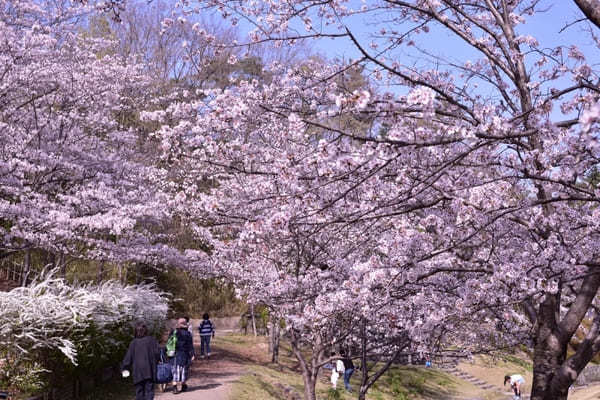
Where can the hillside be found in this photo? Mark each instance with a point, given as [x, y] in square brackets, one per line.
[240, 369]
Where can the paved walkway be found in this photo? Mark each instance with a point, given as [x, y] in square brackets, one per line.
[209, 379]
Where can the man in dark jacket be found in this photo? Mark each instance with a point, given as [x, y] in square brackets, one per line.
[142, 356]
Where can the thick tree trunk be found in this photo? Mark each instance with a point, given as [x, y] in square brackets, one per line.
[547, 358]
[591, 9]
[553, 373]
[309, 388]
[364, 378]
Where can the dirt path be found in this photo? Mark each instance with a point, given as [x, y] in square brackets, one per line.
[210, 379]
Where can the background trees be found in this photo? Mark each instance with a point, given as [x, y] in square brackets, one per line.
[73, 181]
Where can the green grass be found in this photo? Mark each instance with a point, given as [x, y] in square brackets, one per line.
[525, 364]
[408, 382]
[254, 386]
[267, 381]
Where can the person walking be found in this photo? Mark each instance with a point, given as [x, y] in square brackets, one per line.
[141, 358]
[348, 371]
[184, 355]
[191, 331]
[516, 382]
[207, 330]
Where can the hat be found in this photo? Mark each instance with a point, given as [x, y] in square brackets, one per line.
[182, 323]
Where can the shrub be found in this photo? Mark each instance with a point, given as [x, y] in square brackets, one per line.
[51, 328]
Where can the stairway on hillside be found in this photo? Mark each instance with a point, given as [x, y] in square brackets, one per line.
[465, 376]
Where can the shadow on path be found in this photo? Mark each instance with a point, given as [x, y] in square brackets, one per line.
[211, 378]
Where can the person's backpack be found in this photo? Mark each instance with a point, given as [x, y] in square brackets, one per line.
[172, 344]
[204, 323]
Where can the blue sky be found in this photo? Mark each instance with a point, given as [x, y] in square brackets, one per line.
[545, 27]
[549, 28]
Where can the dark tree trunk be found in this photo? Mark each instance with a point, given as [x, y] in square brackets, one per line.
[275, 335]
[549, 351]
[591, 9]
[309, 369]
[553, 372]
[364, 376]
[367, 380]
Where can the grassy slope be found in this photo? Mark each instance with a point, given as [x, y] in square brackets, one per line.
[492, 370]
[266, 381]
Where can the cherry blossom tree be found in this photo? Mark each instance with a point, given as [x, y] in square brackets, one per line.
[471, 186]
[284, 240]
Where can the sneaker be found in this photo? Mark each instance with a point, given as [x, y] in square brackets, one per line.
[184, 387]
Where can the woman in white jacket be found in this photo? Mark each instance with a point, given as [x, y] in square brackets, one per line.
[338, 368]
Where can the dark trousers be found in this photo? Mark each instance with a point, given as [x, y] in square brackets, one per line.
[144, 390]
[205, 345]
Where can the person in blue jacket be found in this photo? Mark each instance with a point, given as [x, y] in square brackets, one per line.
[207, 330]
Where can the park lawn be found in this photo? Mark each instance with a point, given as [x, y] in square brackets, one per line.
[267, 381]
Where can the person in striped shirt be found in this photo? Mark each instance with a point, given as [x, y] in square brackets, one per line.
[207, 330]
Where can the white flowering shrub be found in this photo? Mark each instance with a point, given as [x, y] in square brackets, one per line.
[61, 327]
